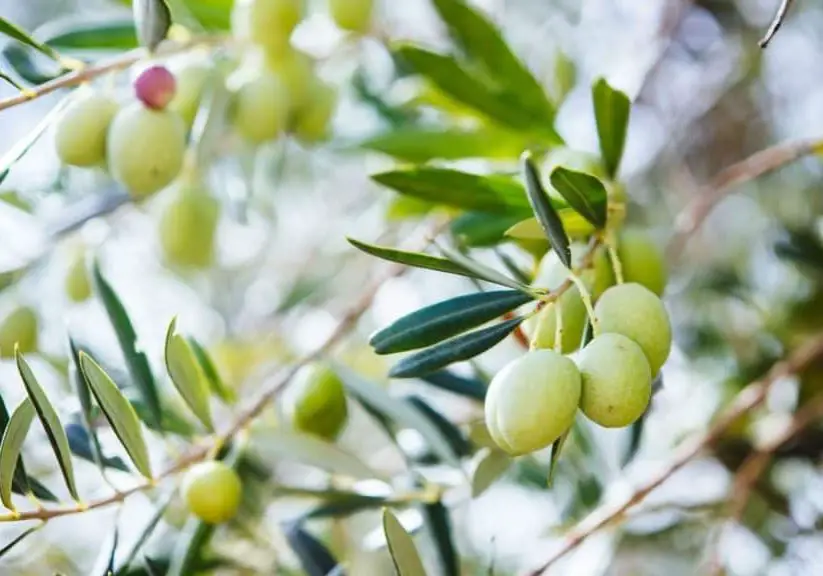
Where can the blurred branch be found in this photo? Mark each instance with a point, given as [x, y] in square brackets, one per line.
[695, 213]
[346, 324]
[777, 22]
[88, 73]
[750, 397]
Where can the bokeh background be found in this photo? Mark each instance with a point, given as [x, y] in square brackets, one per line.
[705, 96]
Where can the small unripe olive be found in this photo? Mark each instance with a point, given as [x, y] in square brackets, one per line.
[212, 491]
[261, 107]
[265, 22]
[314, 119]
[146, 148]
[638, 313]
[573, 318]
[80, 135]
[295, 69]
[318, 402]
[155, 87]
[641, 260]
[617, 380]
[187, 227]
[532, 401]
[19, 327]
[78, 283]
[352, 15]
[191, 81]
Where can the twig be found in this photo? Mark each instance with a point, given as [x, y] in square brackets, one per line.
[91, 72]
[777, 22]
[345, 325]
[756, 165]
[750, 397]
[755, 465]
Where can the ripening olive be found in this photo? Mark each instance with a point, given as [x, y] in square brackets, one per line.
[634, 311]
[573, 317]
[212, 491]
[617, 380]
[314, 118]
[146, 148]
[80, 135]
[295, 69]
[155, 87]
[78, 283]
[266, 22]
[318, 402]
[641, 260]
[352, 15]
[191, 82]
[532, 401]
[187, 227]
[19, 327]
[261, 108]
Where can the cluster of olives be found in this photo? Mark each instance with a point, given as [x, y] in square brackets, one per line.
[533, 400]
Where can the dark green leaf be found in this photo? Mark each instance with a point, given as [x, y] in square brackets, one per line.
[51, 423]
[482, 271]
[10, 447]
[315, 558]
[413, 259]
[36, 488]
[557, 447]
[635, 436]
[119, 413]
[584, 193]
[446, 380]
[189, 548]
[31, 66]
[21, 483]
[14, 32]
[419, 145]
[455, 350]
[376, 398]
[187, 375]
[483, 44]
[152, 20]
[458, 189]
[491, 465]
[611, 112]
[546, 214]
[135, 359]
[81, 445]
[436, 517]
[19, 538]
[342, 507]
[95, 451]
[401, 546]
[480, 229]
[449, 431]
[212, 375]
[145, 534]
[80, 33]
[9, 80]
[435, 323]
[104, 565]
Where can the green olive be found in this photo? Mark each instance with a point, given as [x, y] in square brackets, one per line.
[641, 260]
[188, 226]
[78, 283]
[352, 15]
[314, 119]
[295, 69]
[266, 22]
[261, 108]
[20, 327]
[318, 402]
[191, 82]
[213, 491]
[80, 134]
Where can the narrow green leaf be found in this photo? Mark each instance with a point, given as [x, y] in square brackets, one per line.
[451, 433]
[9, 80]
[458, 189]
[482, 271]
[491, 465]
[14, 32]
[10, 447]
[127, 338]
[457, 349]
[483, 44]
[216, 383]
[19, 149]
[28, 64]
[189, 548]
[635, 436]
[401, 546]
[145, 533]
[584, 193]
[611, 112]
[342, 505]
[545, 212]
[152, 20]
[104, 565]
[80, 33]
[119, 413]
[395, 410]
[51, 423]
[314, 557]
[557, 447]
[436, 518]
[419, 145]
[291, 446]
[445, 319]
[20, 483]
[80, 445]
[19, 538]
[187, 375]
[85, 404]
[413, 259]
[468, 387]
[481, 229]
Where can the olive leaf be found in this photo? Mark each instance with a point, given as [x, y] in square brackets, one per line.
[445, 319]
[80, 444]
[10, 447]
[404, 554]
[451, 433]
[51, 423]
[216, 383]
[446, 380]
[584, 193]
[436, 519]
[482, 271]
[85, 404]
[413, 259]
[314, 557]
[544, 211]
[491, 465]
[152, 20]
[557, 446]
[19, 538]
[119, 412]
[454, 350]
[611, 113]
[14, 32]
[187, 375]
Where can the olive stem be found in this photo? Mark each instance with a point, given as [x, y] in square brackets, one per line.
[617, 266]
[558, 332]
[587, 302]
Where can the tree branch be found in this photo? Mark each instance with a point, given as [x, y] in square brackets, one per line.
[777, 22]
[750, 397]
[346, 324]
